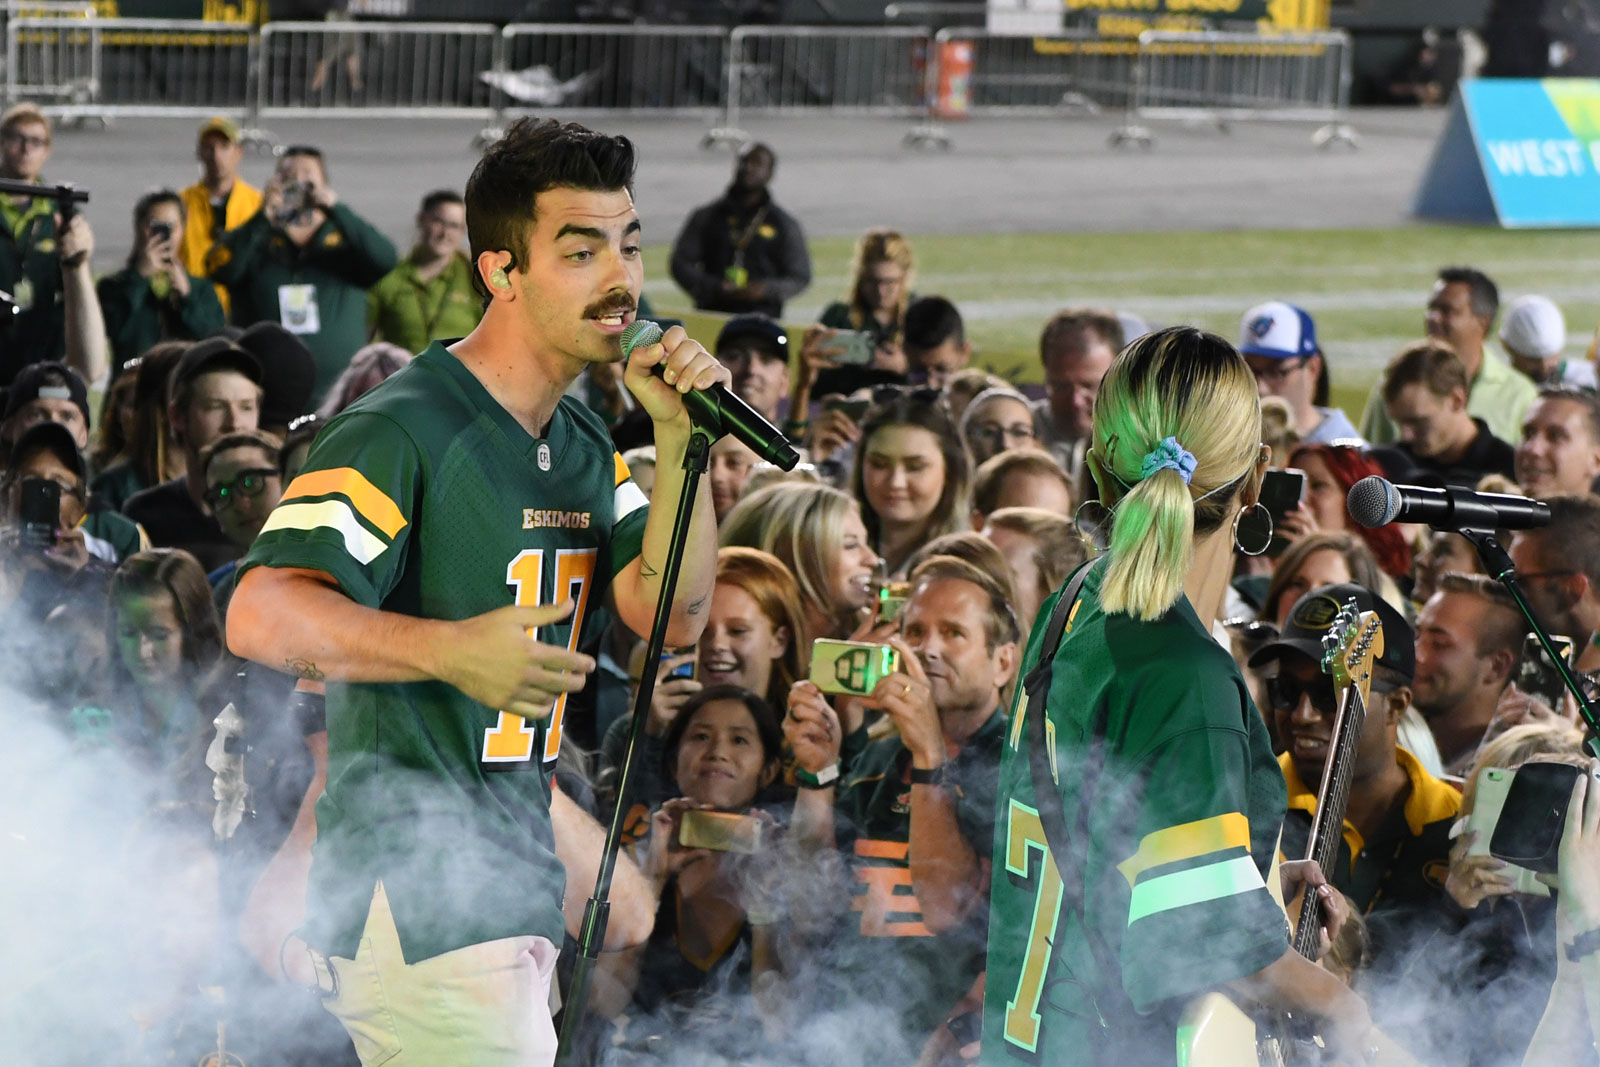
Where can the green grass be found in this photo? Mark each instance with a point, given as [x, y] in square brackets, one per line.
[1365, 288]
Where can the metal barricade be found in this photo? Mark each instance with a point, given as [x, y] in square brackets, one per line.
[797, 70]
[981, 72]
[1233, 77]
[371, 69]
[52, 54]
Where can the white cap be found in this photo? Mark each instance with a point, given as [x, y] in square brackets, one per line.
[1277, 330]
[1533, 328]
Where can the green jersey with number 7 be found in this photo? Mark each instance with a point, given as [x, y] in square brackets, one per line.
[427, 498]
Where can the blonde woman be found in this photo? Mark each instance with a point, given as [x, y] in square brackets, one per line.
[1164, 778]
[881, 275]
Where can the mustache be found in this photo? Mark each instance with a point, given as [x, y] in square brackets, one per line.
[611, 305]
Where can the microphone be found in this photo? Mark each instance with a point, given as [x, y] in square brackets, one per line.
[716, 409]
[1376, 501]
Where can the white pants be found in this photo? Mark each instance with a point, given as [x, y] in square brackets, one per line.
[485, 1005]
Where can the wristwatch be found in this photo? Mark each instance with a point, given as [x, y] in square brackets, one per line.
[823, 779]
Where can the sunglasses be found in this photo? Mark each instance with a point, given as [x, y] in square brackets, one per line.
[247, 483]
[1285, 691]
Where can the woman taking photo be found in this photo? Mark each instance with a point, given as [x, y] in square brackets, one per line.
[817, 533]
[911, 474]
[881, 275]
[1164, 780]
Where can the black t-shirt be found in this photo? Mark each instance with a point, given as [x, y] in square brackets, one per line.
[1486, 455]
[173, 520]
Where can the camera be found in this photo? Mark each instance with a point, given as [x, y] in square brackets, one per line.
[851, 668]
[297, 203]
[161, 231]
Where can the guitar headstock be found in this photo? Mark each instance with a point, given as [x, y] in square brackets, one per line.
[1351, 646]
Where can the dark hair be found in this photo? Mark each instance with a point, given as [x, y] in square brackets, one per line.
[1485, 294]
[990, 477]
[258, 439]
[309, 152]
[110, 444]
[148, 446]
[930, 322]
[1584, 398]
[1066, 327]
[1507, 636]
[148, 203]
[1574, 532]
[1363, 565]
[766, 720]
[372, 365]
[437, 197]
[175, 572]
[1428, 363]
[922, 410]
[534, 156]
[301, 431]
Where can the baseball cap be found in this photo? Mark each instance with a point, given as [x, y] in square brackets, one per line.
[219, 124]
[212, 354]
[1314, 615]
[288, 371]
[1534, 328]
[1278, 331]
[55, 381]
[55, 438]
[760, 327]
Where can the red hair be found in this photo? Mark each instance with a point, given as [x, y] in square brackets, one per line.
[1348, 466]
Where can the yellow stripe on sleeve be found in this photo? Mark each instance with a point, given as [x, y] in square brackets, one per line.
[622, 472]
[1186, 842]
[369, 501]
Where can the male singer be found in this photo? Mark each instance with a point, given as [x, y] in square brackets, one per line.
[460, 508]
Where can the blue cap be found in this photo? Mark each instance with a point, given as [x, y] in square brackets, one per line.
[1277, 330]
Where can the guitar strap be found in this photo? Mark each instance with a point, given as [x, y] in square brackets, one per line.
[1046, 793]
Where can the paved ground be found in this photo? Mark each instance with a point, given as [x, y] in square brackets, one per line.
[842, 175]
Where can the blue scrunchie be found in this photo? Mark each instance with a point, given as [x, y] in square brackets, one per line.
[1169, 453]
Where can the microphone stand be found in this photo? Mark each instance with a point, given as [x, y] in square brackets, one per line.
[592, 935]
[1499, 566]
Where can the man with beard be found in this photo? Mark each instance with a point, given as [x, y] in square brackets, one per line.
[913, 815]
[1560, 447]
[1559, 568]
[1469, 637]
[742, 252]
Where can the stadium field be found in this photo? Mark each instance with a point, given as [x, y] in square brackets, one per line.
[1365, 288]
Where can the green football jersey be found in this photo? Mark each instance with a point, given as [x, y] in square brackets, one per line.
[1173, 834]
[426, 498]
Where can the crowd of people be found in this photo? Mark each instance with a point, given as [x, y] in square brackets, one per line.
[216, 579]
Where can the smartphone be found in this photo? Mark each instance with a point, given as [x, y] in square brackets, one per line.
[892, 597]
[855, 409]
[720, 831]
[851, 668]
[1537, 674]
[1281, 492]
[1528, 832]
[39, 512]
[161, 231]
[685, 670]
[851, 348]
[966, 1027]
[1489, 800]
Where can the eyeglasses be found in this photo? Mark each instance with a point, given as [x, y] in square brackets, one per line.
[1279, 370]
[247, 483]
[993, 433]
[12, 137]
[1531, 575]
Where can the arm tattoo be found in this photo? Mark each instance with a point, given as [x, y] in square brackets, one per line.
[304, 668]
[645, 570]
[695, 606]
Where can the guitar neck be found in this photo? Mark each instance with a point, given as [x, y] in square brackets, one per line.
[1327, 825]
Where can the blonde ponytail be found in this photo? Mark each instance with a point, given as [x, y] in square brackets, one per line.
[1175, 395]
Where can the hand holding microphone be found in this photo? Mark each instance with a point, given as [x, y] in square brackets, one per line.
[689, 380]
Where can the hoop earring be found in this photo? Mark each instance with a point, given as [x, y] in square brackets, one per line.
[1092, 520]
[1257, 531]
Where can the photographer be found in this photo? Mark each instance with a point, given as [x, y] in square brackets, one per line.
[913, 816]
[305, 260]
[154, 298]
[45, 554]
[44, 265]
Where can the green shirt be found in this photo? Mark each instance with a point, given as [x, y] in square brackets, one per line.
[1500, 396]
[426, 498]
[270, 278]
[407, 311]
[884, 934]
[137, 318]
[1173, 827]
